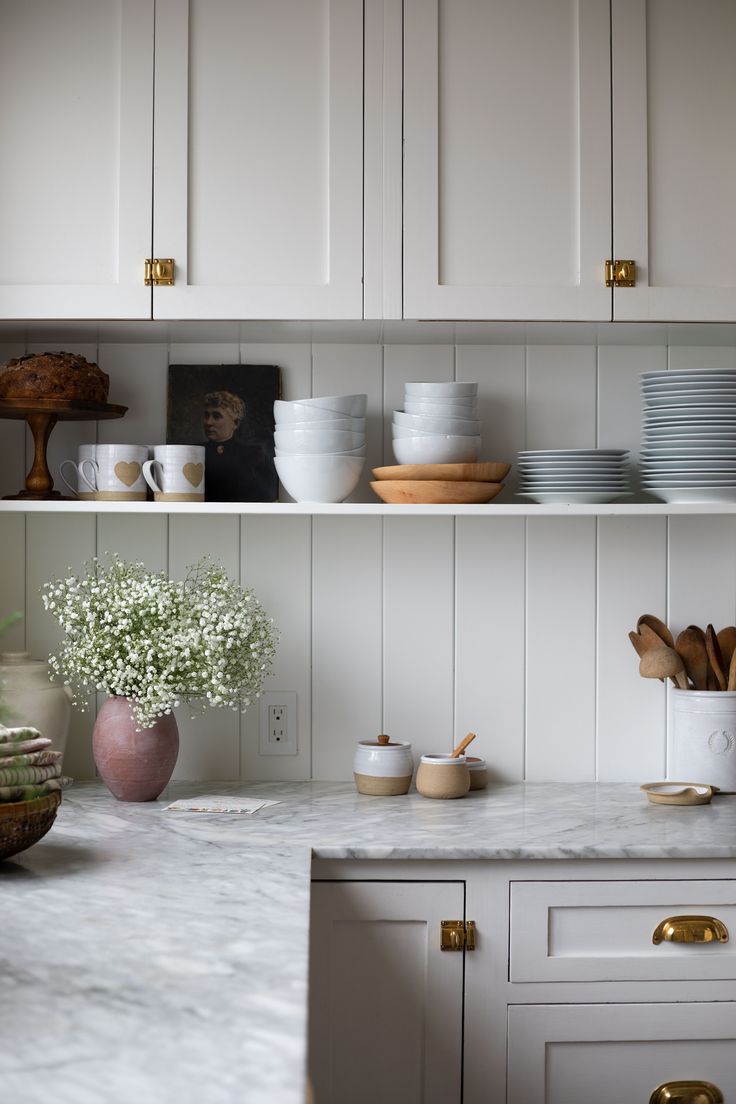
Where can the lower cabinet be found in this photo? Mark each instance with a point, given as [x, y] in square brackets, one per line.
[386, 1003]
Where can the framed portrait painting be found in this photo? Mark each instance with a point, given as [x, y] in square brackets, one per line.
[228, 408]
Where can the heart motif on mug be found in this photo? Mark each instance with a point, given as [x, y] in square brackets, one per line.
[193, 473]
[128, 473]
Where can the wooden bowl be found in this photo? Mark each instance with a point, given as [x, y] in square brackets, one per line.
[399, 491]
[490, 471]
[23, 823]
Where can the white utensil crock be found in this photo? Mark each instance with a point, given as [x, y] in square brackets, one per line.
[703, 745]
[30, 697]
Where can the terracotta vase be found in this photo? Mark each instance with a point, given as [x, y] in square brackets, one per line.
[135, 766]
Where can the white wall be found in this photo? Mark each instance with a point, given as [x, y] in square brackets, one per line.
[423, 628]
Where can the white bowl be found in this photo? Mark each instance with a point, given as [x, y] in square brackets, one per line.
[319, 478]
[442, 390]
[349, 425]
[302, 411]
[436, 450]
[318, 440]
[354, 405]
[444, 410]
[434, 424]
[344, 452]
[406, 431]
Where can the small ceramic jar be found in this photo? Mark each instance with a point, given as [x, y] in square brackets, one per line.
[442, 776]
[381, 768]
[478, 773]
[30, 698]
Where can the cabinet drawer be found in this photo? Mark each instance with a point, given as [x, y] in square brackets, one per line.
[610, 1054]
[602, 931]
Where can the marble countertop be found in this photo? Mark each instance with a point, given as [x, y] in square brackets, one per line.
[156, 955]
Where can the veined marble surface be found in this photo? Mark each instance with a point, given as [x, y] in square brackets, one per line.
[162, 956]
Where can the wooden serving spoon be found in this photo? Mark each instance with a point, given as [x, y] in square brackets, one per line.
[664, 663]
[715, 657]
[727, 643]
[732, 673]
[690, 646]
[462, 745]
[657, 627]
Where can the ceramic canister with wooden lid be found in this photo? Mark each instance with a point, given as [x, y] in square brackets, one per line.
[382, 768]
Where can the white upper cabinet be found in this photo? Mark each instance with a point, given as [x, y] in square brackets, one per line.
[674, 99]
[76, 114]
[507, 160]
[258, 165]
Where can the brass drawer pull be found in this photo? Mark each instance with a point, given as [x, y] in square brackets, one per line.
[690, 929]
[686, 1092]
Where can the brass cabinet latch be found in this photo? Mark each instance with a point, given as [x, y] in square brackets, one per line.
[620, 273]
[457, 936]
[690, 929]
[158, 271]
[687, 1092]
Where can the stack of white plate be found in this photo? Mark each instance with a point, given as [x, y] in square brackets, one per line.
[573, 475]
[438, 425]
[689, 435]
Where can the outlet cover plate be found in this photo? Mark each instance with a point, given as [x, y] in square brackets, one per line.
[287, 700]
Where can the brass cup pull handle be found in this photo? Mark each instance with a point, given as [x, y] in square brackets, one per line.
[690, 929]
[686, 1092]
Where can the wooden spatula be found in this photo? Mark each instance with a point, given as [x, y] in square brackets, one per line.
[727, 644]
[690, 646]
[656, 625]
[462, 745]
[714, 656]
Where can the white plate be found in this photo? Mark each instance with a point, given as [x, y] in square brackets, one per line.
[718, 467]
[574, 496]
[696, 400]
[695, 494]
[582, 469]
[664, 433]
[702, 412]
[651, 456]
[689, 375]
[534, 453]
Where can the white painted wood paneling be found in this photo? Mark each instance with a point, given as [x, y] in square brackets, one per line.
[276, 562]
[139, 539]
[495, 227]
[560, 649]
[403, 363]
[347, 625]
[210, 740]
[75, 213]
[258, 197]
[355, 369]
[701, 358]
[55, 545]
[702, 572]
[138, 381]
[489, 641]
[674, 94]
[12, 437]
[632, 579]
[204, 352]
[620, 403]
[500, 372]
[13, 580]
[561, 397]
[418, 620]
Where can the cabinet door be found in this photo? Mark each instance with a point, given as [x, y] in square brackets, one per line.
[674, 98]
[507, 171]
[76, 88]
[386, 1003]
[258, 158]
[565, 1054]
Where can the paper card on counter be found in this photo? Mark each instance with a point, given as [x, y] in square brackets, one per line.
[219, 803]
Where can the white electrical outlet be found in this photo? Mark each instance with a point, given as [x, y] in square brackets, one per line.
[278, 723]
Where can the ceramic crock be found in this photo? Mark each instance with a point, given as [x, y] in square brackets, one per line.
[31, 698]
[704, 737]
[382, 769]
[443, 776]
[478, 772]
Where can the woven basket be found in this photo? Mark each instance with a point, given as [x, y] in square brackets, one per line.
[23, 823]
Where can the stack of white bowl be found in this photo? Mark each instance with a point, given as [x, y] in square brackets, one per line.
[320, 446]
[689, 440]
[438, 425]
[573, 475]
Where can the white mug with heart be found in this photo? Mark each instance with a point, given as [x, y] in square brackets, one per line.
[77, 484]
[116, 473]
[176, 473]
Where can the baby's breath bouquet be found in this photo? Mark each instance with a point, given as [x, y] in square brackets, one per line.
[139, 635]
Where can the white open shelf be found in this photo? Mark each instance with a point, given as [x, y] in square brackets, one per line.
[372, 509]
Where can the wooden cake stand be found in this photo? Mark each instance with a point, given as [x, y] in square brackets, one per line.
[42, 415]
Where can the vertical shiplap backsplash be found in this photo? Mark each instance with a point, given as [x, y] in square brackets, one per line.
[428, 627]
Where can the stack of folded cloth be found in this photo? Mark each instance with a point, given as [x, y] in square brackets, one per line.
[28, 768]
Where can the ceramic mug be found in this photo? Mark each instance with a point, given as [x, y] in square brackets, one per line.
[77, 484]
[116, 473]
[176, 473]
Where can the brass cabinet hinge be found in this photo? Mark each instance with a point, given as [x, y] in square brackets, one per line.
[620, 273]
[457, 936]
[158, 271]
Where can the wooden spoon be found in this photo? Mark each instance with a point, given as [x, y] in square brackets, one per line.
[656, 626]
[690, 646]
[462, 745]
[732, 673]
[644, 643]
[727, 643]
[715, 657]
[664, 663]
